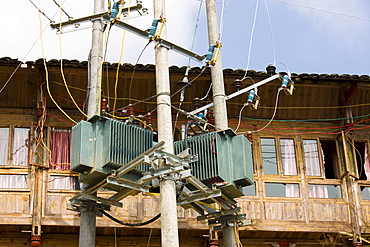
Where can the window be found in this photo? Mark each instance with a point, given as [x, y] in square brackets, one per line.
[60, 142]
[288, 157]
[17, 141]
[59, 182]
[249, 190]
[273, 164]
[282, 190]
[324, 191]
[311, 157]
[4, 140]
[362, 160]
[365, 193]
[330, 159]
[13, 181]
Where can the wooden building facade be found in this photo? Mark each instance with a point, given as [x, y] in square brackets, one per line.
[310, 153]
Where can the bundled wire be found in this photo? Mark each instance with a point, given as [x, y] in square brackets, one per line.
[130, 224]
[61, 63]
[47, 74]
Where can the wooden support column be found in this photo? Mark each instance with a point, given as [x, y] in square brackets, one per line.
[353, 196]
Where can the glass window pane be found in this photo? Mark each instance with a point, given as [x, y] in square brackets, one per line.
[64, 183]
[365, 193]
[324, 191]
[269, 156]
[288, 157]
[13, 181]
[282, 190]
[4, 140]
[311, 156]
[249, 190]
[20, 147]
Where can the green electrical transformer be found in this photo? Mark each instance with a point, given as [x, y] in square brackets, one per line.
[101, 145]
[221, 158]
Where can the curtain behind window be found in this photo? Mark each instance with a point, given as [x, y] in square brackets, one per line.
[60, 142]
[64, 183]
[367, 162]
[4, 140]
[311, 156]
[288, 157]
[20, 146]
[13, 181]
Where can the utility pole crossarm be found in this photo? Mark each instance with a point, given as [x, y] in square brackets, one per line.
[104, 15]
[169, 45]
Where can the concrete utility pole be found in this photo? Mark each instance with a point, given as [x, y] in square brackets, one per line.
[87, 214]
[218, 89]
[219, 101]
[169, 224]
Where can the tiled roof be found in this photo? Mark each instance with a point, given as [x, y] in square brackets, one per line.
[151, 67]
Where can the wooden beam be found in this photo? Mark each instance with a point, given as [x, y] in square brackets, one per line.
[351, 92]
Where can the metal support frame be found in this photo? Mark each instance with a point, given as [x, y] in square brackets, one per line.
[175, 166]
[220, 219]
[242, 91]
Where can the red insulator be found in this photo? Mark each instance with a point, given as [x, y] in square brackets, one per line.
[149, 118]
[39, 112]
[357, 244]
[250, 137]
[104, 104]
[35, 240]
[213, 243]
[130, 110]
[211, 118]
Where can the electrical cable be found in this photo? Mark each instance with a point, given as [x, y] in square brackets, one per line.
[130, 224]
[273, 115]
[41, 11]
[251, 39]
[61, 64]
[133, 72]
[307, 120]
[271, 32]
[234, 103]
[208, 91]
[69, 17]
[47, 74]
[240, 115]
[324, 10]
[20, 63]
[105, 45]
[150, 235]
[223, 10]
[188, 67]
[330, 127]
[138, 119]
[190, 82]
[120, 55]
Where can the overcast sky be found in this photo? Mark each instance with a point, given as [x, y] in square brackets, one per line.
[305, 39]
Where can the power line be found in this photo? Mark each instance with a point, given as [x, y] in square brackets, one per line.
[20, 63]
[324, 10]
[40, 11]
[69, 17]
[271, 32]
[251, 39]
